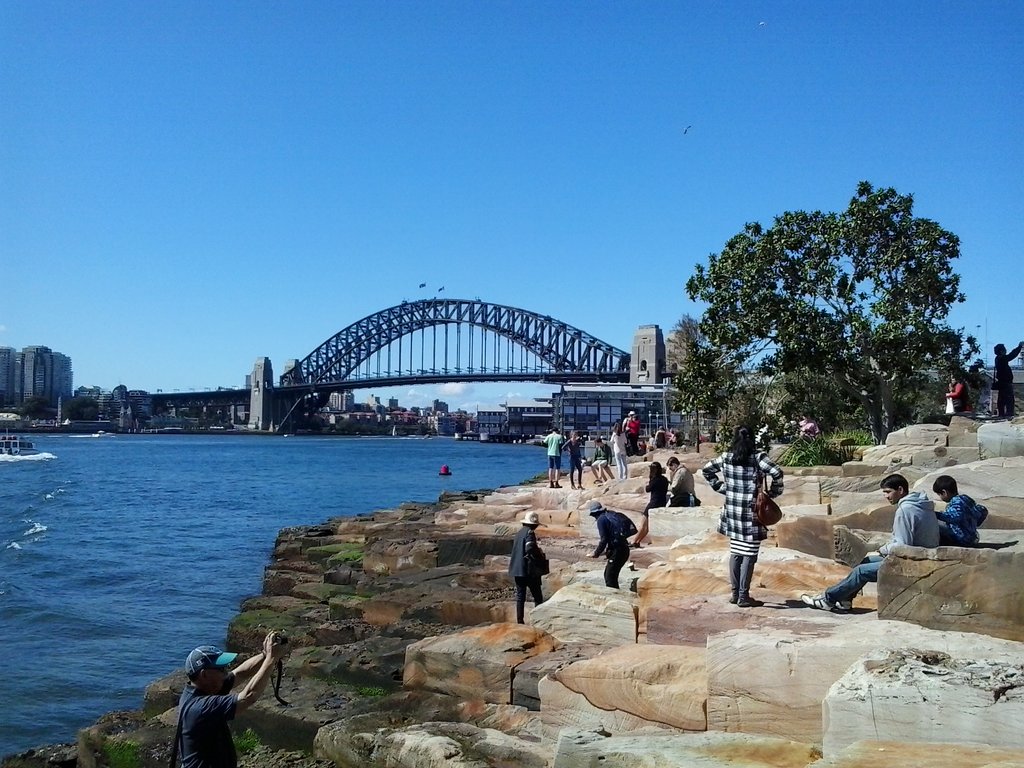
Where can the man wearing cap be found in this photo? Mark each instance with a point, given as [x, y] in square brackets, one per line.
[207, 704]
[522, 566]
[612, 542]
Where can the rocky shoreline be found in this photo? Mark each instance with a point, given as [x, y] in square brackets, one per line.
[405, 654]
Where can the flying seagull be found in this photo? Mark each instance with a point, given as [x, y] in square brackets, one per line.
[440, 289]
[423, 285]
[687, 128]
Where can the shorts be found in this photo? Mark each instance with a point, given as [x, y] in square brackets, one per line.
[554, 462]
[599, 463]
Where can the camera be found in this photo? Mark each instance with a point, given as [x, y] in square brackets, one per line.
[280, 639]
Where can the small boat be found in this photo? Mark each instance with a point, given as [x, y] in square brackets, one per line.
[13, 445]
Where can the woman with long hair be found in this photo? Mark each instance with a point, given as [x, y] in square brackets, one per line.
[742, 468]
[657, 486]
[618, 441]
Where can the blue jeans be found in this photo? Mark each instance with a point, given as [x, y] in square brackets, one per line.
[620, 463]
[849, 587]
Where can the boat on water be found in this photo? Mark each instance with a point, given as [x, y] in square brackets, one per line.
[14, 445]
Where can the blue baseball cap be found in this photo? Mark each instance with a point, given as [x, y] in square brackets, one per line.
[207, 657]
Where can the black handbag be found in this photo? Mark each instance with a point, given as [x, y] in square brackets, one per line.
[539, 565]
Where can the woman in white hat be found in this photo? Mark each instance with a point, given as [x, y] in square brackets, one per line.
[528, 564]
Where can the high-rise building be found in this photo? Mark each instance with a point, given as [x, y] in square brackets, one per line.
[7, 375]
[440, 406]
[38, 371]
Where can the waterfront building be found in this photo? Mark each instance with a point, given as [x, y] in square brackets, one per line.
[440, 406]
[592, 409]
[528, 417]
[491, 418]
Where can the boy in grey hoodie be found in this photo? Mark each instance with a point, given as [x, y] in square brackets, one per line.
[914, 525]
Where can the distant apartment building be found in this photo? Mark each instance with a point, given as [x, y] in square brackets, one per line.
[35, 371]
[440, 406]
[341, 401]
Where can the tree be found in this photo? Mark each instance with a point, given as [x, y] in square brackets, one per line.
[35, 408]
[81, 409]
[860, 296]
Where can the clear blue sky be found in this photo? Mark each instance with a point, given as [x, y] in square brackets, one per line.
[185, 186]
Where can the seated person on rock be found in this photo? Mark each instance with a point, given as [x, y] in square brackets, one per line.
[914, 525]
[958, 525]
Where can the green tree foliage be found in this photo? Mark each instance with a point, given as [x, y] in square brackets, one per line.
[35, 408]
[81, 409]
[860, 297]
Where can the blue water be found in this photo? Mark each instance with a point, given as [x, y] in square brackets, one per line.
[121, 554]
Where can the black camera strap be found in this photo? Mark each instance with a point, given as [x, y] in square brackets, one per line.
[277, 684]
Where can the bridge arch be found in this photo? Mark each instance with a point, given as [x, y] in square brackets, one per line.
[567, 350]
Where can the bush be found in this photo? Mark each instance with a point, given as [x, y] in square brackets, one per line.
[820, 451]
[371, 690]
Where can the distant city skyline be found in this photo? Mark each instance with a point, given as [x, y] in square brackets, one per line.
[189, 187]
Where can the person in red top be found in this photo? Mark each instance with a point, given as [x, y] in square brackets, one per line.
[959, 396]
[631, 426]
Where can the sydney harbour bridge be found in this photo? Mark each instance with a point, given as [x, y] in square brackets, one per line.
[431, 341]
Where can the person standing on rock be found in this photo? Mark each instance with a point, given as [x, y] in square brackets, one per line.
[575, 449]
[554, 442]
[631, 426]
[525, 564]
[1003, 381]
[618, 440]
[742, 468]
[914, 525]
[207, 704]
[614, 529]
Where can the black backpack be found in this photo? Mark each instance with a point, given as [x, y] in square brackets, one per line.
[622, 526]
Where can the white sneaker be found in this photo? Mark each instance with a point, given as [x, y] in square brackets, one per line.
[818, 602]
[844, 605]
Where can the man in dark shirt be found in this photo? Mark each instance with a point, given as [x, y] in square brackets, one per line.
[1003, 383]
[207, 704]
[614, 532]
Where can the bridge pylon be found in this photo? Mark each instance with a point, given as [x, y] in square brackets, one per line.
[261, 396]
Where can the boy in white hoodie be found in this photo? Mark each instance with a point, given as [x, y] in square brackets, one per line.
[914, 524]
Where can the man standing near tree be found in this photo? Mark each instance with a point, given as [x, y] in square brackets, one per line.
[1003, 382]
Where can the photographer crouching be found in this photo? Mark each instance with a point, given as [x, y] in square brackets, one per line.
[207, 703]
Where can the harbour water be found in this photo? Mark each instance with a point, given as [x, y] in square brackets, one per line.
[122, 553]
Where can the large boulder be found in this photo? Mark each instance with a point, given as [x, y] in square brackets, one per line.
[921, 695]
[902, 753]
[918, 434]
[955, 588]
[982, 479]
[1001, 439]
[588, 613]
[773, 681]
[629, 687]
[476, 663]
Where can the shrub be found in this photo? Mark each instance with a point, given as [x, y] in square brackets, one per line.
[246, 742]
[820, 451]
[371, 690]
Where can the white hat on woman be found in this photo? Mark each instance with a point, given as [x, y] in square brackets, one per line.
[530, 518]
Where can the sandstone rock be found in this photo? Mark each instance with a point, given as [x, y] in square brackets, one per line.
[774, 681]
[922, 695]
[1001, 439]
[862, 469]
[587, 613]
[672, 523]
[476, 663]
[954, 588]
[918, 434]
[388, 556]
[943, 456]
[629, 687]
[895, 753]
[982, 479]
[528, 674]
[454, 745]
[581, 749]
[851, 546]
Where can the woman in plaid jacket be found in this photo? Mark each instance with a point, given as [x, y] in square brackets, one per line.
[741, 467]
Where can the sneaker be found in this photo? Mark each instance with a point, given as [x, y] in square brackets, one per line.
[844, 605]
[818, 602]
[748, 602]
[734, 599]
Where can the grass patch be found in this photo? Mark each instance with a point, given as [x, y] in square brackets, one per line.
[371, 690]
[121, 754]
[246, 742]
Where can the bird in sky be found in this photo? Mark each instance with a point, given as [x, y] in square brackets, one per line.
[423, 285]
[686, 129]
[440, 289]
[763, 24]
